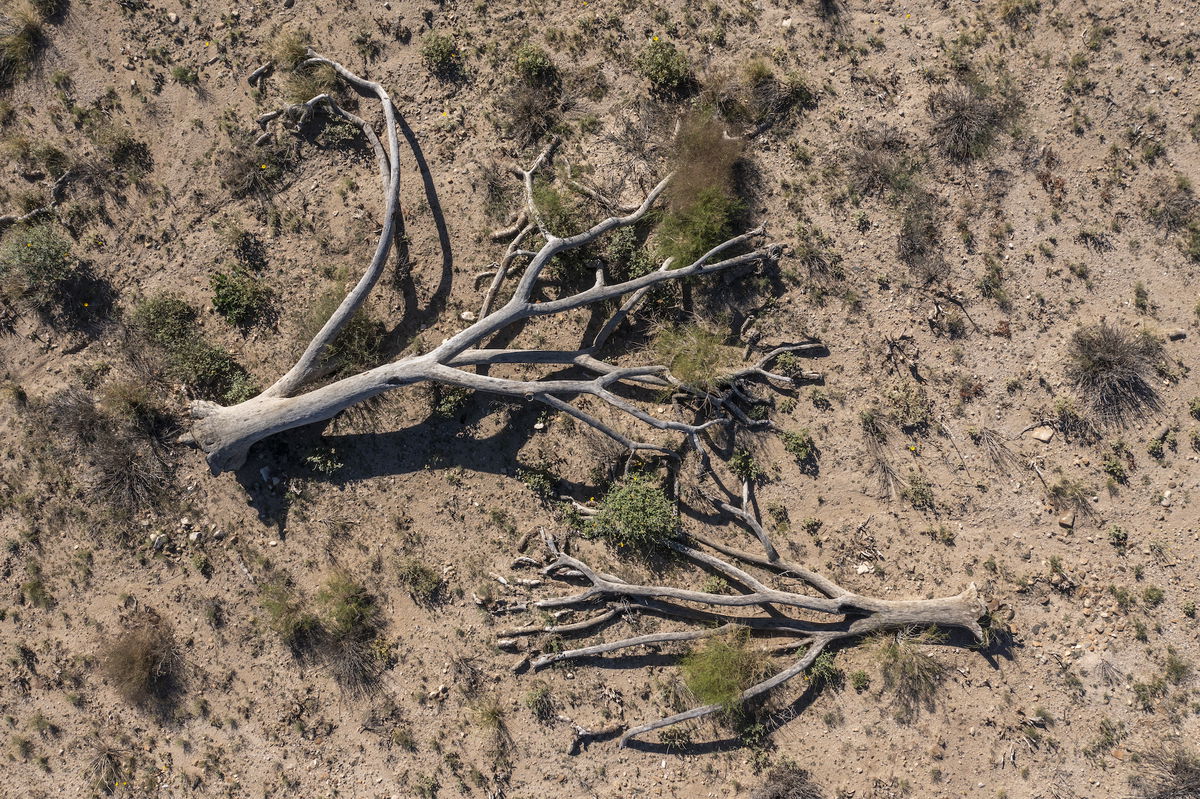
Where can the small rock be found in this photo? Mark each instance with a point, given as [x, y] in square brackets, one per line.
[1042, 434]
[1067, 520]
[288, 3]
[173, 18]
[1176, 334]
[467, 316]
[865, 568]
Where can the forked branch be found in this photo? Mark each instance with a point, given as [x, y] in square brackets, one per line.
[227, 433]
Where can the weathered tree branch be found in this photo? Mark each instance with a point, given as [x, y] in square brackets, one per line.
[227, 433]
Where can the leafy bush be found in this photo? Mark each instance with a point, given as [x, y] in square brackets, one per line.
[964, 121]
[533, 65]
[441, 55]
[241, 299]
[169, 322]
[143, 663]
[36, 267]
[636, 514]
[165, 319]
[801, 446]
[1111, 369]
[665, 67]
[185, 76]
[720, 670]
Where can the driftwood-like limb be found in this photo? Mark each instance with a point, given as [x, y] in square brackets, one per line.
[855, 615]
[226, 433]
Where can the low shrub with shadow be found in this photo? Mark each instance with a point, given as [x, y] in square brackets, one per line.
[703, 206]
[340, 633]
[965, 121]
[1111, 369]
[695, 356]
[423, 582]
[242, 299]
[21, 39]
[800, 445]
[531, 106]
[249, 170]
[788, 781]
[37, 268]
[442, 56]
[666, 68]
[878, 161]
[357, 346]
[144, 665]
[636, 516]
[122, 432]
[171, 325]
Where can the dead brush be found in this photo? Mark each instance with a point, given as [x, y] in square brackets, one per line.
[788, 781]
[1111, 369]
[875, 160]
[912, 674]
[144, 664]
[919, 244]
[965, 121]
[1173, 205]
[1173, 774]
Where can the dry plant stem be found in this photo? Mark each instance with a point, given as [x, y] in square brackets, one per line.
[227, 433]
[860, 615]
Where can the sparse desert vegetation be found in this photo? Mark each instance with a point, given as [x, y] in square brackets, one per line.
[378, 418]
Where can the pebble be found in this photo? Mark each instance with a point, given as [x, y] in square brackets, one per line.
[173, 18]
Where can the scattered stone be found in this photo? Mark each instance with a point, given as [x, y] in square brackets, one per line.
[1067, 520]
[1176, 334]
[467, 316]
[865, 568]
[1042, 434]
[173, 18]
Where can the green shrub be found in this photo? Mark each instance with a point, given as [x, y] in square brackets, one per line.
[169, 322]
[533, 65]
[665, 67]
[165, 319]
[801, 447]
[695, 356]
[744, 466]
[298, 627]
[1153, 596]
[348, 608]
[636, 514]
[825, 672]
[441, 55]
[185, 76]
[720, 670]
[36, 267]
[918, 491]
[690, 232]
[308, 81]
[423, 582]
[357, 346]
[241, 299]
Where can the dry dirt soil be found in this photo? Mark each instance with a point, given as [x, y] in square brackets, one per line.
[1068, 209]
